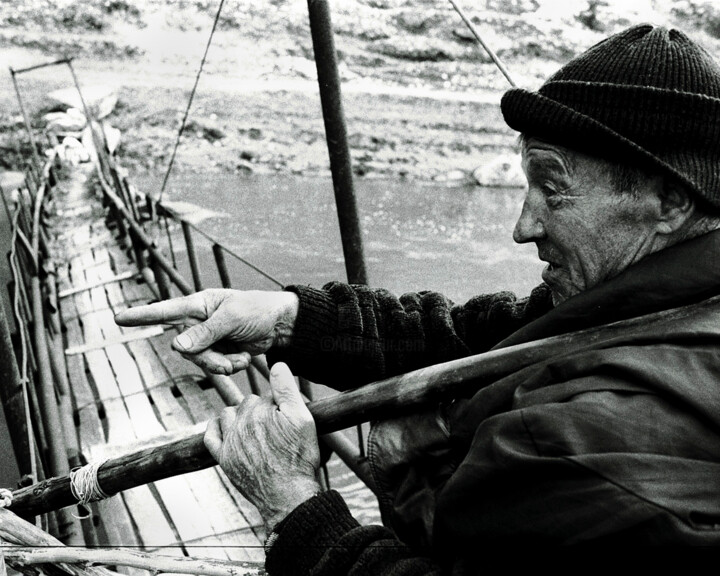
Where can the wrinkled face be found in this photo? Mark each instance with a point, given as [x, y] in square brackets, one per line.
[585, 229]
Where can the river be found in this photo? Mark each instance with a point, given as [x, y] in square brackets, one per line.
[453, 239]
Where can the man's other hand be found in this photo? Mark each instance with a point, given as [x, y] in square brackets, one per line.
[222, 328]
[268, 447]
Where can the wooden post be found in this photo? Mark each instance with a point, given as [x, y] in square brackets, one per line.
[221, 265]
[36, 157]
[137, 247]
[192, 256]
[336, 135]
[161, 278]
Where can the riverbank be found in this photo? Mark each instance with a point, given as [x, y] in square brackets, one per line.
[420, 96]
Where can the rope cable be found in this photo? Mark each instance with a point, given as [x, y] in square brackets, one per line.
[236, 255]
[487, 48]
[190, 100]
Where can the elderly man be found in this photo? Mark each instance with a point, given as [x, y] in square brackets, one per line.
[615, 444]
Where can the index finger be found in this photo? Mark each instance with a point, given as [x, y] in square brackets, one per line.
[172, 311]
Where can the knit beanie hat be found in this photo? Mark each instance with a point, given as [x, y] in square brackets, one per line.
[646, 96]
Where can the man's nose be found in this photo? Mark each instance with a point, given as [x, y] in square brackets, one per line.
[529, 227]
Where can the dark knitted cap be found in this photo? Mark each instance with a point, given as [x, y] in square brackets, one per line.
[648, 96]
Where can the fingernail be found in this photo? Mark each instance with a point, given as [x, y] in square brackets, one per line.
[183, 341]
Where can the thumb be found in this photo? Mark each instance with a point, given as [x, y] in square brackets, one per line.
[198, 338]
[285, 391]
[213, 438]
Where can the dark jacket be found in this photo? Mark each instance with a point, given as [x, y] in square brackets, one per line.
[611, 444]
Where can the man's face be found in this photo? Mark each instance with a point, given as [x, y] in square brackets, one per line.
[584, 228]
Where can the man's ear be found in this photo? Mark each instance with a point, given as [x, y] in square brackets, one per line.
[675, 206]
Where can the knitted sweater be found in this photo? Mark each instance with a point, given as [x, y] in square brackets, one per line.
[348, 335]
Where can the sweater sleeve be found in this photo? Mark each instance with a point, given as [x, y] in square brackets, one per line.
[349, 335]
[320, 537]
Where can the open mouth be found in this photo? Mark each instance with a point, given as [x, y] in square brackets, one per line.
[550, 271]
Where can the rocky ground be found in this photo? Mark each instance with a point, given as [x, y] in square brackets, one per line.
[420, 95]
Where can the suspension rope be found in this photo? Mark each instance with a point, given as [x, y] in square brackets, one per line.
[236, 255]
[190, 100]
[487, 48]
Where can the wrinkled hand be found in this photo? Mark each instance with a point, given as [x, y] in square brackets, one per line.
[224, 328]
[268, 447]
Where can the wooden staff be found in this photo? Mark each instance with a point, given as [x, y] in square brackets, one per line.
[386, 398]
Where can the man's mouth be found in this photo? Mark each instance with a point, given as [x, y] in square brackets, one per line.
[550, 271]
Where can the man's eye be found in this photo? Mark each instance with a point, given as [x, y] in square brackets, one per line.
[553, 198]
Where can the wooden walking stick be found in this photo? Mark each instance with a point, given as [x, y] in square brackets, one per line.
[386, 398]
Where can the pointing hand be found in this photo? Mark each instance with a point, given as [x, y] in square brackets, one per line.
[222, 328]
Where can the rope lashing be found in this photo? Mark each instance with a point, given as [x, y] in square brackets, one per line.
[84, 484]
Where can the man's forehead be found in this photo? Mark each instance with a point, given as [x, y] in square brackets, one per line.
[541, 154]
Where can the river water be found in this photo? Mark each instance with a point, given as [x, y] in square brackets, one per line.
[453, 239]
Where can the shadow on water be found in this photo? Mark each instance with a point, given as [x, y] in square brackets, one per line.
[455, 240]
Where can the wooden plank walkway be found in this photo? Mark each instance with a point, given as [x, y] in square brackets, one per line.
[125, 393]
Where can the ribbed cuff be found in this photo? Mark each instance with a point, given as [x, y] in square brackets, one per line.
[315, 326]
[307, 532]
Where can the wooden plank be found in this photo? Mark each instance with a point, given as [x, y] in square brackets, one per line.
[138, 334]
[202, 406]
[208, 487]
[205, 404]
[228, 526]
[77, 289]
[180, 501]
[120, 531]
[151, 524]
[222, 509]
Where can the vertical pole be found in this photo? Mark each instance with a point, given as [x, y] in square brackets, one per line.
[28, 127]
[192, 256]
[336, 135]
[161, 278]
[136, 246]
[170, 242]
[221, 265]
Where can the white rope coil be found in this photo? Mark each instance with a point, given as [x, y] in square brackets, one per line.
[6, 498]
[84, 484]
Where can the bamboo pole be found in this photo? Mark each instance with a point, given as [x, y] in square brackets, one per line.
[192, 256]
[14, 531]
[68, 525]
[323, 40]
[13, 400]
[387, 398]
[26, 119]
[221, 266]
[155, 563]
